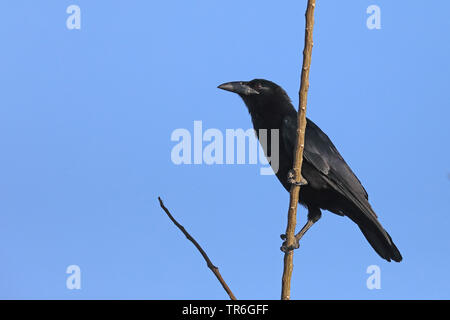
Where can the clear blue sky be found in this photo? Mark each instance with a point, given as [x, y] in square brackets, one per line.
[85, 123]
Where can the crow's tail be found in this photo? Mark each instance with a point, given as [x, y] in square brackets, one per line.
[356, 206]
[366, 219]
[381, 241]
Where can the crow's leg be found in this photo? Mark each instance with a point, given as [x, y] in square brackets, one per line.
[314, 215]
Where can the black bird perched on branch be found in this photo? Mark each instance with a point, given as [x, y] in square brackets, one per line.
[330, 183]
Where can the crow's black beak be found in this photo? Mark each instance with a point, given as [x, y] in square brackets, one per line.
[239, 87]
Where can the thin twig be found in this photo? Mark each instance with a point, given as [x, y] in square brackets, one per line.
[210, 265]
[298, 160]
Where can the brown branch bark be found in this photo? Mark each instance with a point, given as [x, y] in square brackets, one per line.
[210, 265]
[298, 158]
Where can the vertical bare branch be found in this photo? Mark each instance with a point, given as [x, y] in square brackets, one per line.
[210, 265]
[298, 159]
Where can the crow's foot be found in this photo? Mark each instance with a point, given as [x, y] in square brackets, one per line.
[285, 248]
[291, 179]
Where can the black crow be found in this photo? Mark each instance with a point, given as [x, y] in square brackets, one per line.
[330, 183]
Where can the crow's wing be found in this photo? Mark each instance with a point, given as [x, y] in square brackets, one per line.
[321, 153]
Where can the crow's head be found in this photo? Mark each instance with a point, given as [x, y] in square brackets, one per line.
[258, 94]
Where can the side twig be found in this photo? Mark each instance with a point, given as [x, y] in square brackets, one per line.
[210, 265]
[298, 158]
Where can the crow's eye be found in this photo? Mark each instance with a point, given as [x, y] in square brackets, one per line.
[258, 86]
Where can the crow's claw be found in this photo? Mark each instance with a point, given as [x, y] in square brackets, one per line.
[286, 248]
[291, 179]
